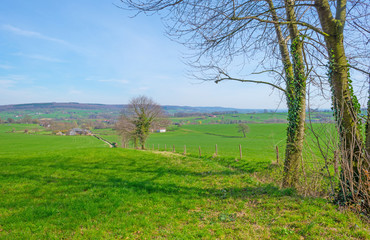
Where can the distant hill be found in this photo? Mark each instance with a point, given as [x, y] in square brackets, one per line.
[118, 107]
[54, 105]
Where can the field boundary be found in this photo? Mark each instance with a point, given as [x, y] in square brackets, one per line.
[111, 145]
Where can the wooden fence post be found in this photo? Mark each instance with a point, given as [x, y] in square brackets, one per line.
[158, 146]
[335, 161]
[216, 150]
[184, 149]
[240, 151]
[173, 148]
[277, 154]
[200, 152]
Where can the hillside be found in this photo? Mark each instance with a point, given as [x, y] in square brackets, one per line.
[75, 187]
[117, 107]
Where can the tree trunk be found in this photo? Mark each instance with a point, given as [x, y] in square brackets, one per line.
[345, 104]
[346, 107]
[295, 94]
[296, 100]
[368, 126]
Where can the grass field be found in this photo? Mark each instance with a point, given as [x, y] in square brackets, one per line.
[56, 113]
[65, 187]
[259, 146]
[259, 143]
[268, 117]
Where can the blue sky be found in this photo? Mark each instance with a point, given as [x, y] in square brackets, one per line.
[90, 51]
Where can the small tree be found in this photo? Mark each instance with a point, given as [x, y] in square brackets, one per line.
[26, 119]
[10, 120]
[140, 115]
[243, 128]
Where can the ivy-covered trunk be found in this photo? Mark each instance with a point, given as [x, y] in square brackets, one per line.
[355, 164]
[295, 133]
[346, 106]
[296, 101]
[368, 127]
[295, 94]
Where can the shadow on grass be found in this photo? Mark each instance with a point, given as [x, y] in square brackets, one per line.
[244, 165]
[221, 135]
[88, 186]
[116, 175]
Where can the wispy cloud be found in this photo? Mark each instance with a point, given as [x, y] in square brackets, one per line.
[143, 88]
[10, 80]
[39, 57]
[5, 66]
[74, 91]
[6, 83]
[119, 81]
[32, 34]
[139, 90]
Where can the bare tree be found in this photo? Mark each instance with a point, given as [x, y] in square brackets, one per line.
[243, 128]
[221, 31]
[140, 115]
[126, 129]
[309, 34]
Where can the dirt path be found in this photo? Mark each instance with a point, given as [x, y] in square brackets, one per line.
[111, 145]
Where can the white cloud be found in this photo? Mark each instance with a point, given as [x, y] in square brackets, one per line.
[32, 34]
[6, 83]
[119, 81]
[74, 92]
[10, 80]
[143, 89]
[39, 57]
[5, 66]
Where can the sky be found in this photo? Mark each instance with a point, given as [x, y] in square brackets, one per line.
[91, 51]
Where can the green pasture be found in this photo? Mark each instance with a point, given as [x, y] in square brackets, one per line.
[56, 113]
[259, 146]
[20, 143]
[249, 117]
[75, 187]
[268, 117]
[261, 139]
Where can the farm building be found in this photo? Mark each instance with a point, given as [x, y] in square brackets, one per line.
[79, 131]
[161, 130]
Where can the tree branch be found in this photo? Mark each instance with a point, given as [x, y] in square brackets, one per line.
[249, 81]
[318, 30]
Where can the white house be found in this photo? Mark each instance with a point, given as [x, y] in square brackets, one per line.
[161, 130]
[79, 131]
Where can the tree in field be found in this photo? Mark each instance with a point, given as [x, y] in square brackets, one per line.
[140, 115]
[126, 129]
[10, 120]
[226, 29]
[220, 31]
[26, 119]
[243, 128]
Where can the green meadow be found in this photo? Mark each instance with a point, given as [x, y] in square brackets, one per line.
[266, 117]
[259, 144]
[76, 187]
